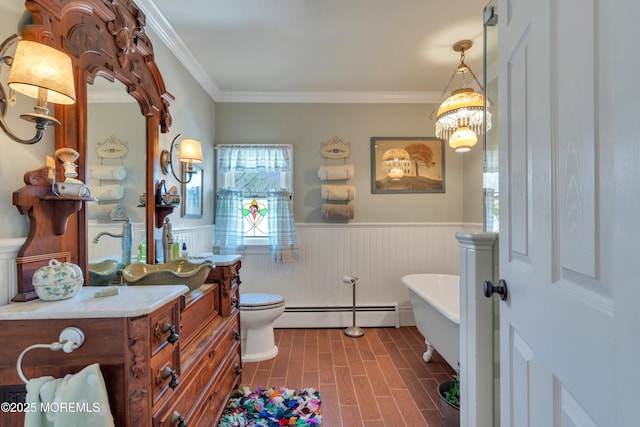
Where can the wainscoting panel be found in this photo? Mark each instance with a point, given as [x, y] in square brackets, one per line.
[378, 254]
[199, 239]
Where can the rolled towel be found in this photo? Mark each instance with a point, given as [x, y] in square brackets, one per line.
[334, 172]
[117, 172]
[338, 192]
[337, 212]
[108, 192]
[108, 211]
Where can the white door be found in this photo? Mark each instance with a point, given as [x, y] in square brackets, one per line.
[569, 123]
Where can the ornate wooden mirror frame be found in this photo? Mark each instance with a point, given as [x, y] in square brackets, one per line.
[103, 38]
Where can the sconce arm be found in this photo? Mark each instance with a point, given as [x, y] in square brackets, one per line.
[166, 163]
[40, 125]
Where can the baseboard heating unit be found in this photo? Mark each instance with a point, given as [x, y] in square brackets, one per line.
[339, 317]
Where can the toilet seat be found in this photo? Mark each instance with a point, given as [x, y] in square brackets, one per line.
[252, 302]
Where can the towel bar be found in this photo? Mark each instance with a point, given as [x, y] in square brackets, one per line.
[70, 339]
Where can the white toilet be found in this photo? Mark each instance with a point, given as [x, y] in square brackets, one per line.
[257, 314]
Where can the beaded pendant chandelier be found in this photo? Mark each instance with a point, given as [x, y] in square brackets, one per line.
[461, 117]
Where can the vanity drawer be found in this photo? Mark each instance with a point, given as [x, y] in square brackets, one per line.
[164, 367]
[233, 301]
[201, 307]
[193, 392]
[228, 338]
[216, 396]
[165, 326]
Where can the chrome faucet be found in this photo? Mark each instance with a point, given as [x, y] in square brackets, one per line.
[126, 236]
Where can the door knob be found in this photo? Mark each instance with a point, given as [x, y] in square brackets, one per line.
[490, 289]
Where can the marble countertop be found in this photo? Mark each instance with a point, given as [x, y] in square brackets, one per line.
[218, 260]
[131, 301]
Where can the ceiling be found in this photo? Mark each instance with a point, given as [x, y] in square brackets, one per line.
[320, 50]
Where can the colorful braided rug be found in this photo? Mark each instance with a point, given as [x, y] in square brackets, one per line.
[273, 407]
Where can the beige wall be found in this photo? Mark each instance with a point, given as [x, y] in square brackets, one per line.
[193, 114]
[306, 126]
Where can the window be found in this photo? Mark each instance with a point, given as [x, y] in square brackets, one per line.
[254, 199]
[254, 212]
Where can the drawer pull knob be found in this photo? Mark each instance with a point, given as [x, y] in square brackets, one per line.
[238, 370]
[173, 336]
[168, 372]
[177, 418]
[211, 354]
[236, 335]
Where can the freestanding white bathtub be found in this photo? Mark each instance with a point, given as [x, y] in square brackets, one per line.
[435, 299]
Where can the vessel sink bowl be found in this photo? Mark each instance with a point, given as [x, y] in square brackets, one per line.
[103, 273]
[178, 272]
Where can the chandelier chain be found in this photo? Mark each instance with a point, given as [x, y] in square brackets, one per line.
[446, 88]
[441, 97]
[476, 79]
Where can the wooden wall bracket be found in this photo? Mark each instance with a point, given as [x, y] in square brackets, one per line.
[48, 215]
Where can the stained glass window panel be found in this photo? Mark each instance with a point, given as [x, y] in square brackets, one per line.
[254, 212]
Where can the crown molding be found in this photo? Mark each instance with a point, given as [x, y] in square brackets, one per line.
[347, 97]
[164, 30]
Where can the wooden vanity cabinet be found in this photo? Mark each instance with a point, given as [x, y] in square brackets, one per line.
[152, 378]
[130, 351]
[210, 363]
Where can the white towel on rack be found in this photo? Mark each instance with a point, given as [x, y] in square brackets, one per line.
[333, 211]
[84, 395]
[108, 211]
[338, 192]
[336, 172]
[108, 192]
[117, 172]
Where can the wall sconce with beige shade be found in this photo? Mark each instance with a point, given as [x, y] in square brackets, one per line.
[461, 117]
[189, 152]
[38, 71]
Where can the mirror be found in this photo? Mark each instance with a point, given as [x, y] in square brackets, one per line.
[103, 39]
[116, 173]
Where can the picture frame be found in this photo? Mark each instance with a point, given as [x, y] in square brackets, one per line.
[407, 165]
[191, 206]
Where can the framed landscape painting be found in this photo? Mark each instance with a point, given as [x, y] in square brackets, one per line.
[407, 165]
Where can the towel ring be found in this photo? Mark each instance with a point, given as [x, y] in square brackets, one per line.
[70, 339]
